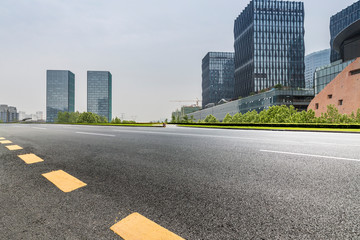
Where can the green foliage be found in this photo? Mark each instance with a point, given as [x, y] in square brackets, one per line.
[210, 119]
[228, 118]
[116, 121]
[278, 86]
[76, 117]
[284, 114]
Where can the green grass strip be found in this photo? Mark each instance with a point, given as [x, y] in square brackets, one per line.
[276, 128]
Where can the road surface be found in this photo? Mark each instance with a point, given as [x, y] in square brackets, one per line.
[196, 183]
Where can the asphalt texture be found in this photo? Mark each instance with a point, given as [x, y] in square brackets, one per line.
[197, 183]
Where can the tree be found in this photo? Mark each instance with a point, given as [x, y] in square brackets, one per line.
[211, 119]
[228, 118]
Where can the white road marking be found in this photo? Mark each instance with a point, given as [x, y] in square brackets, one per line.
[96, 134]
[39, 128]
[311, 155]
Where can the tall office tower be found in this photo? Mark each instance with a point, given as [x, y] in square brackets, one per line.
[60, 93]
[269, 46]
[313, 61]
[339, 22]
[99, 93]
[217, 77]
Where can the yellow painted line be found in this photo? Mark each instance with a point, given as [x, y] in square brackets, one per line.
[5, 142]
[30, 158]
[64, 181]
[14, 147]
[2, 138]
[137, 227]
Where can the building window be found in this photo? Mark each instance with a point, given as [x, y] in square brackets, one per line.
[354, 72]
[330, 96]
[316, 106]
[340, 102]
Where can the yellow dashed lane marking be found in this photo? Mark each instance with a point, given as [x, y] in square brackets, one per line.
[14, 147]
[64, 181]
[5, 142]
[30, 158]
[2, 138]
[137, 227]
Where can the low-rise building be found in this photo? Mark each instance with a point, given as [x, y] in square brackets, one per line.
[299, 98]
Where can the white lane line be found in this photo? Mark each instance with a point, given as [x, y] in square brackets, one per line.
[39, 128]
[311, 155]
[96, 134]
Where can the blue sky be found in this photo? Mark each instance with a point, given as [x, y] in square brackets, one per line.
[152, 48]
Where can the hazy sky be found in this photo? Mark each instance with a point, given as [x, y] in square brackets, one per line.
[153, 48]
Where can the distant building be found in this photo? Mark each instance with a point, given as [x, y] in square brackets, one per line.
[60, 93]
[185, 110]
[99, 93]
[300, 99]
[313, 61]
[8, 114]
[217, 77]
[39, 116]
[338, 23]
[269, 46]
[343, 92]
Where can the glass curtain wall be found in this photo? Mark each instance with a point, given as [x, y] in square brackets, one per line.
[269, 46]
[339, 22]
[217, 77]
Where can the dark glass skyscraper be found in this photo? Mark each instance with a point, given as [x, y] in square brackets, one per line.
[99, 93]
[339, 22]
[217, 77]
[60, 93]
[269, 46]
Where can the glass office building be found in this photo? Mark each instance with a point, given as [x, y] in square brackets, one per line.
[60, 93]
[269, 46]
[217, 77]
[339, 22]
[99, 93]
[313, 61]
[324, 75]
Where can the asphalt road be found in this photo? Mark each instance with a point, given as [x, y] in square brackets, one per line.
[197, 183]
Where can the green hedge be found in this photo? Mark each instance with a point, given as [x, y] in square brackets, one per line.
[279, 125]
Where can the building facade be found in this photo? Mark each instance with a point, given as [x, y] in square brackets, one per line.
[343, 92]
[339, 22]
[8, 114]
[60, 93]
[269, 46]
[185, 110]
[99, 93]
[300, 99]
[217, 77]
[324, 75]
[313, 61]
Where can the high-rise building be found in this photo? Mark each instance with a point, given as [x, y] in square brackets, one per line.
[217, 77]
[313, 61]
[60, 93]
[99, 93]
[269, 46]
[8, 114]
[341, 21]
